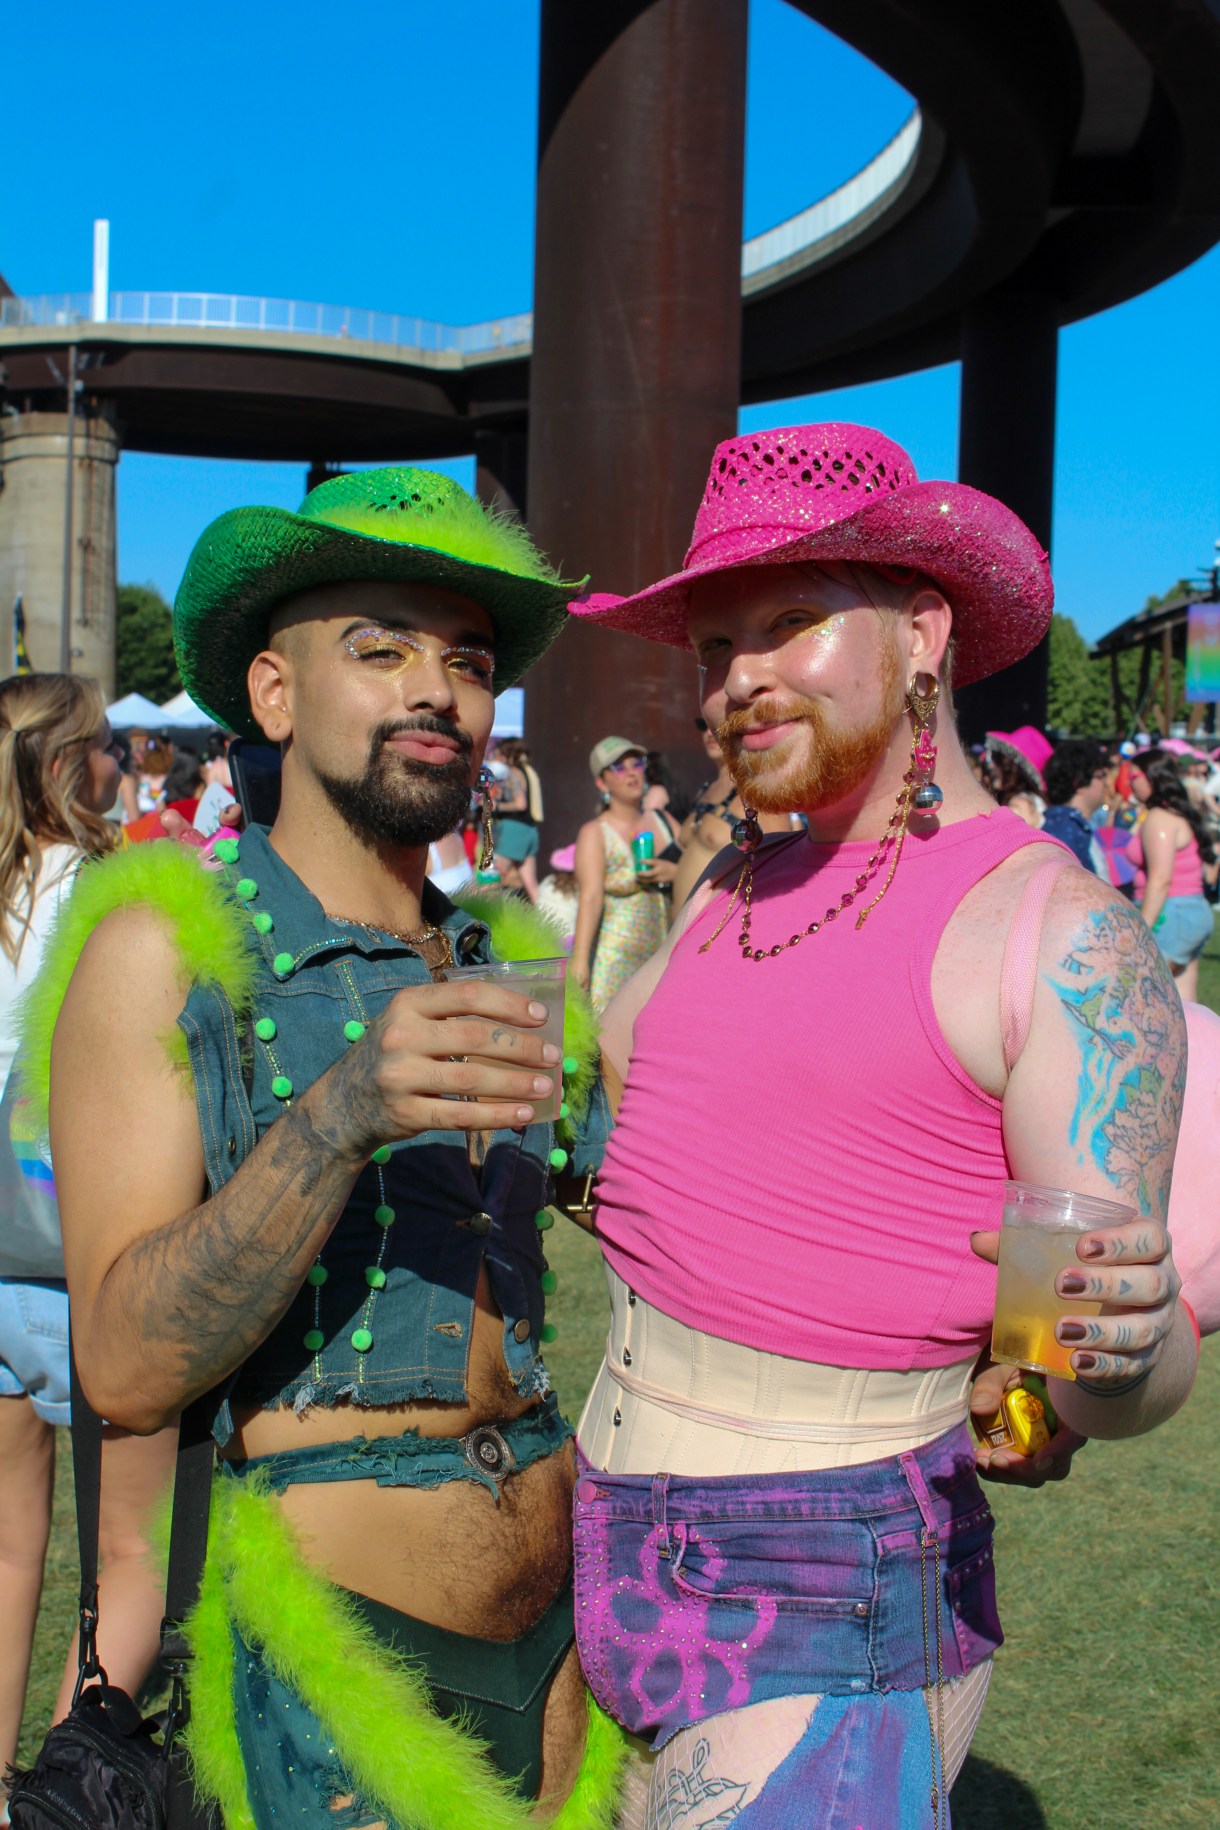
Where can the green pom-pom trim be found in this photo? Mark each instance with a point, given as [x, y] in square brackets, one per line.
[246, 888]
[283, 965]
[263, 922]
[281, 1086]
[226, 850]
[317, 1275]
[382, 1153]
[558, 1159]
[384, 1214]
[549, 1282]
[544, 1220]
[548, 1333]
[266, 1029]
[314, 1340]
[352, 1030]
[374, 1277]
[362, 1339]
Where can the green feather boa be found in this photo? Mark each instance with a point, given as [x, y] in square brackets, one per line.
[208, 933]
[210, 936]
[409, 1763]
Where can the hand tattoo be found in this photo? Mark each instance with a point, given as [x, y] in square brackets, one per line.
[1115, 990]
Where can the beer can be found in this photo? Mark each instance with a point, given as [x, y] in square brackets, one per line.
[642, 850]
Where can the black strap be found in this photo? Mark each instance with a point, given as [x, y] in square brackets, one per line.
[87, 1475]
[188, 1544]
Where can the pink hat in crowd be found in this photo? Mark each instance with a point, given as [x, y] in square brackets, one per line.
[1028, 748]
[842, 492]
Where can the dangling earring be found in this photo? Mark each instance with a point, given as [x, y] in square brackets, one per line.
[927, 797]
[487, 850]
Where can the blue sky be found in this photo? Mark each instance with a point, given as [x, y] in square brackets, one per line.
[389, 162]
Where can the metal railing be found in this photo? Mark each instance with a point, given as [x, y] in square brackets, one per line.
[827, 220]
[291, 317]
[886, 174]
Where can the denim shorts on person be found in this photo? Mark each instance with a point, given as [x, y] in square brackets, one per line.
[34, 1346]
[1183, 928]
[699, 1596]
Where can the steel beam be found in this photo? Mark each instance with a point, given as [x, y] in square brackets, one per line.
[637, 348]
[1010, 344]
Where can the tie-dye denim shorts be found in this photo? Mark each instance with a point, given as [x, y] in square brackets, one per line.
[699, 1596]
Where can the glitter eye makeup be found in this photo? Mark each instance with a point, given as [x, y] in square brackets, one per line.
[390, 650]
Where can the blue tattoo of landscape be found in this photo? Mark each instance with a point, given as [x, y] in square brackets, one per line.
[1116, 993]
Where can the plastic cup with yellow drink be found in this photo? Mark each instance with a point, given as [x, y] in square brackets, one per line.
[1038, 1240]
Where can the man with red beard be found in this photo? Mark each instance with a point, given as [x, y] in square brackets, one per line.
[848, 1045]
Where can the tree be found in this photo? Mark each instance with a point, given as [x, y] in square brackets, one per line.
[144, 645]
[1078, 688]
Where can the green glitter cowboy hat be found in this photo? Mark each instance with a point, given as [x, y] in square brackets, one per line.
[397, 524]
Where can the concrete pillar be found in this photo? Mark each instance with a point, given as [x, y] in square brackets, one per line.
[1010, 356]
[636, 367]
[33, 460]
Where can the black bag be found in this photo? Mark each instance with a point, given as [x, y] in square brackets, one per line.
[104, 1767]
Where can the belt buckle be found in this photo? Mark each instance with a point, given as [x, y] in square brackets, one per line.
[488, 1453]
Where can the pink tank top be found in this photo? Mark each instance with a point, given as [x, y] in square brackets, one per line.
[799, 1159]
[1187, 879]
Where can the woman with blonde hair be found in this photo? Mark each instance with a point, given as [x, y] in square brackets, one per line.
[59, 776]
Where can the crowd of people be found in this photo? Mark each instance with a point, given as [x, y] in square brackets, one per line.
[426, 1592]
[1141, 815]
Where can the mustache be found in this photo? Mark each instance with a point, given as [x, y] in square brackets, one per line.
[771, 711]
[424, 721]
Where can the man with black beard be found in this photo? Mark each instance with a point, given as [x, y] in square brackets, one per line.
[332, 1216]
[850, 1042]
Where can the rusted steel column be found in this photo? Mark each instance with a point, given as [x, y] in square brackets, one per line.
[1010, 355]
[637, 348]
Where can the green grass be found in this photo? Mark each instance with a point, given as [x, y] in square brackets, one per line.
[1102, 1708]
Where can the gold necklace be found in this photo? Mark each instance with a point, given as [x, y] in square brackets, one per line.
[424, 937]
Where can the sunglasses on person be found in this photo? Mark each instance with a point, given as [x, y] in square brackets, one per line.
[701, 724]
[624, 763]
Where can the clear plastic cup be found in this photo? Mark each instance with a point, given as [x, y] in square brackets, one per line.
[541, 980]
[1038, 1241]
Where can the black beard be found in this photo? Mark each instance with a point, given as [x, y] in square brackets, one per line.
[398, 801]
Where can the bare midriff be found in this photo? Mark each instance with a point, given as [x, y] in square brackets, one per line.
[449, 1555]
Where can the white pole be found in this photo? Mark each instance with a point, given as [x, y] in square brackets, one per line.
[101, 271]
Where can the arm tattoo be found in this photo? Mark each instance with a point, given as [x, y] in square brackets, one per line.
[1116, 992]
[202, 1292]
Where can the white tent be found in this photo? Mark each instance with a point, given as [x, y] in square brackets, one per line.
[134, 709]
[182, 711]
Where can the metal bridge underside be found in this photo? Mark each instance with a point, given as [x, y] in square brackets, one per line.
[1068, 150]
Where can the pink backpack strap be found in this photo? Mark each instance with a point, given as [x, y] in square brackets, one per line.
[1019, 977]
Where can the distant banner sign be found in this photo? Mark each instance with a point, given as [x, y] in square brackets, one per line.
[1203, 655]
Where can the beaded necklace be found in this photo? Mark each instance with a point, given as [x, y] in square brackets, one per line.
[283, 965]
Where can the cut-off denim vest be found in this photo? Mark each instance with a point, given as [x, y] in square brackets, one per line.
[451, 1221]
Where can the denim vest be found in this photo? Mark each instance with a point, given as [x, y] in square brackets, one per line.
[450, 1217]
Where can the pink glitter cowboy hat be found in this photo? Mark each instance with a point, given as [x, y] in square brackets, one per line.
[1028, 748]
[849, 493]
